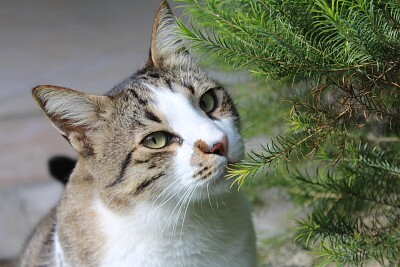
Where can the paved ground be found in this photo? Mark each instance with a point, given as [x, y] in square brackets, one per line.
[85, 45]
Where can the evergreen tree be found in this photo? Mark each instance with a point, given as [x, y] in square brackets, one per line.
[345, 57]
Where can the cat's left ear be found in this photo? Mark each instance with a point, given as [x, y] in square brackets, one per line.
[77, 116]
[167, 48]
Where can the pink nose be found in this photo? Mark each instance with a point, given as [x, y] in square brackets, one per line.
[219, 148]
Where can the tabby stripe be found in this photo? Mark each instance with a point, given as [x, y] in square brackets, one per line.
[137, 124]
[153, 75]
[139, 161]
[47, 246]
[169, 83]
[199, 173]
[206, 175]
[121, 175]
[150, 115]
[139, 99]
[190, 88]
[140, 72]
[152, 166]
[48, 240]
[146, 183]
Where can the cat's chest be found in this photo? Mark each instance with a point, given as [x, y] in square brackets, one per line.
[161, 237]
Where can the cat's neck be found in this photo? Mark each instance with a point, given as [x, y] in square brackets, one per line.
[162, 228]
[187, 228]
[171, 213]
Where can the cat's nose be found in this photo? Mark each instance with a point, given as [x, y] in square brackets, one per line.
[218, 148]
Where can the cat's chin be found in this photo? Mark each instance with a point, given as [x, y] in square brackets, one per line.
[213, 191]
[216, 184]
[220, 183]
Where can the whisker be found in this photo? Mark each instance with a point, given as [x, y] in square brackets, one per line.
[209, 199]
[183, 204]
[176, 206]
[167, 197]
[186, 208]
[112, 197]
[201, 199]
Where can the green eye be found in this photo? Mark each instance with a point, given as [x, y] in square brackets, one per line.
[157, 140]
[208, 102]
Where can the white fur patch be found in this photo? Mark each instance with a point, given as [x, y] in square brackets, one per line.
[235, 142]
[159, 237]
[192, 125]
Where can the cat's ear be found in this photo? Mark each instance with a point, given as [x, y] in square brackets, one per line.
[167, 48]
[74, 114]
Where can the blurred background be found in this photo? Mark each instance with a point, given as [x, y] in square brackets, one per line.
[91, 46]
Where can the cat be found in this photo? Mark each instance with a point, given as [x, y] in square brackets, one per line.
[149, 187]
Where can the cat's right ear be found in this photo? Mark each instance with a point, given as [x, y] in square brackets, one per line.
[74, 114]
[167, 47]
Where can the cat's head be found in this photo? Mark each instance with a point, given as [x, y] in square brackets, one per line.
[166, 131]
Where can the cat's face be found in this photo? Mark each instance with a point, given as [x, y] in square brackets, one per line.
[167, 131]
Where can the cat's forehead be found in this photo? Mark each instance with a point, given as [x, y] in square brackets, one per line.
[184, 80]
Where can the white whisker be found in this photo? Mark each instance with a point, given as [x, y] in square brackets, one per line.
[176, 206]
[112, 197]
[167, 197]
[186, 199]
[186, 208]
[209, 199]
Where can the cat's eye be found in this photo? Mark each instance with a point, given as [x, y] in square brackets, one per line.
[157, 140]
[208, 102]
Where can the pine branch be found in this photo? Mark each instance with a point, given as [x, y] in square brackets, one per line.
[356, 217]
[261, 28]
[270, 156]
[339, 239]
[353, 186]
[347, 54]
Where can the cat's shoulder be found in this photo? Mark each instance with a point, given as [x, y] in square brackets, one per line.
[41, 243]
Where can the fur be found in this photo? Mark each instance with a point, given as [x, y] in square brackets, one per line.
[127, 204]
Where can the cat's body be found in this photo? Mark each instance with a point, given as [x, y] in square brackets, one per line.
[149, 187]
[215, 233]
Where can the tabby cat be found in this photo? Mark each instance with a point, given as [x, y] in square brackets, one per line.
[149, 188]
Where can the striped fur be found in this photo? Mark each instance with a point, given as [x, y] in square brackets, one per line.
[126, 204]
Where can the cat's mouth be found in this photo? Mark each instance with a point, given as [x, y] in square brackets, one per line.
[218, 172]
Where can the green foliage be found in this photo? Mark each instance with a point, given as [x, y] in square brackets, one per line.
[286, 39]
[356, 214]
[341, 134]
